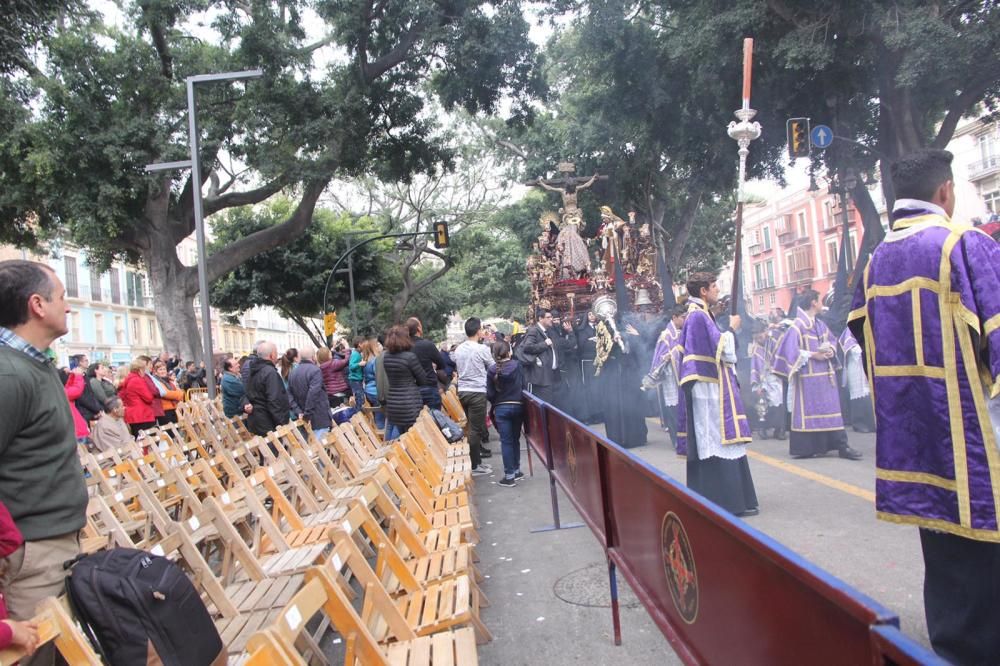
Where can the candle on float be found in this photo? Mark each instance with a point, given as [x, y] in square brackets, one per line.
[747, 64]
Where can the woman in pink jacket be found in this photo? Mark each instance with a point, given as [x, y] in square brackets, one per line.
[73, 385]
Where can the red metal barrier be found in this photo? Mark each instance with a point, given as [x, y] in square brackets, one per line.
[720, 591]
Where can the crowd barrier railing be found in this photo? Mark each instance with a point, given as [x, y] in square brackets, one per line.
[719, 590]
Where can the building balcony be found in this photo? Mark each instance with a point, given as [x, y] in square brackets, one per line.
[785, 235]
[984, 168]
[754, 249]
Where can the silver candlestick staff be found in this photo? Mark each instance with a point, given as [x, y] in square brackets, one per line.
[743, 132]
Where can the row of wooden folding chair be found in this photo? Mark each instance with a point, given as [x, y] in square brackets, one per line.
[323, 596]
[193, 467]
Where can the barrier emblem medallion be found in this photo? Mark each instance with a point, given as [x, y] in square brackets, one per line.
[571, 456]
[679, 567]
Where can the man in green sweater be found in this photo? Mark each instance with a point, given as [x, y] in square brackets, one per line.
[41, 481]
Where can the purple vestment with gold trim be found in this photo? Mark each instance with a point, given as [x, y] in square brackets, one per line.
[813, 394]
[701, 341]
[927, 316]
[668, 346]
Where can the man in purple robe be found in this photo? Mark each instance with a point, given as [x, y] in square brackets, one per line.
[766, 386]
[665, 372]
[717, 427]
[927, 317]
[862, 417]
[806, 358]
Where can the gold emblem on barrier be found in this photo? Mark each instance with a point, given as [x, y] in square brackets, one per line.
[571, 455]
[679, 567]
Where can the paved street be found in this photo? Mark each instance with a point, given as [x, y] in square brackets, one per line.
[821, 508]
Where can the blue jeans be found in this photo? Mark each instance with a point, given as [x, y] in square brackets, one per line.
[358, 391]
[320, 432]
[430, 396]
[379, 415]
[391, 432]
[509, 418]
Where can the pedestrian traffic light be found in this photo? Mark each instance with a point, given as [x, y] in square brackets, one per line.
[440, 235]
[329, 323]
[798, 137]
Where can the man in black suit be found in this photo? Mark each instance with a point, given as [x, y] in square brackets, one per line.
[539, 352]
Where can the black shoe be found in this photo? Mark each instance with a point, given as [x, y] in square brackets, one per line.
[749, 512]
[518, 476]
[863, 429]
[850, 454]
[507, 483]
[781, 435]
[485, 453]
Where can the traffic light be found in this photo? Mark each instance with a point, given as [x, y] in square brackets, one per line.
[798, 137]
[440, 235]
[329, 323]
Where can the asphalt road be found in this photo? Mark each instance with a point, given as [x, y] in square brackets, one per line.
[549, 589]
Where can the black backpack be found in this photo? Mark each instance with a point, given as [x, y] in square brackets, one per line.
[126, 599]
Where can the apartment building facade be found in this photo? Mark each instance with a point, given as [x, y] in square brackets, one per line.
[793, 243]
[112, 318]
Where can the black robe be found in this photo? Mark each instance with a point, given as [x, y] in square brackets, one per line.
[624, 406]
[591, 410]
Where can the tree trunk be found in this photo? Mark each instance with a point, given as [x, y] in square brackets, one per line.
[175, 285]
[174, 307]
[317, 340]
[399, 303]
[680, 237]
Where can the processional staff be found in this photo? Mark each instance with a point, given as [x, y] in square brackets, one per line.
[743, 132]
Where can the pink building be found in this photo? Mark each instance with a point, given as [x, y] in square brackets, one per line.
[792, 243]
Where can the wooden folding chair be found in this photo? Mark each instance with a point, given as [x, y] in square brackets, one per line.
[56, 625]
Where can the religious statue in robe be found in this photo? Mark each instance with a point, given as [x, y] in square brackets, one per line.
[574, 259]
[610, 237]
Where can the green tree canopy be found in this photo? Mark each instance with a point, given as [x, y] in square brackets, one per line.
[292, 278]
[102, 99]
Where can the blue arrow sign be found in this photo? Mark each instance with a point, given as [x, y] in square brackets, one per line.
[821, 136]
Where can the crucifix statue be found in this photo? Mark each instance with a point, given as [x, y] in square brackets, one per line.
[567, 185]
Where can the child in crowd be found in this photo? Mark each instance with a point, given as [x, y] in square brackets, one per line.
[12, 632]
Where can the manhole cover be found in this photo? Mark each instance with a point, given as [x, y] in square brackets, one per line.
[589, 587]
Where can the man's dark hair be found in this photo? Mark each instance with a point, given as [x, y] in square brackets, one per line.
[807, 297]
[413, 325]
[919, 175]
[75, 359]
[472, 326]
[190, 364]
[541, 313]
[19, 279]
[698, 281]
[679, 311]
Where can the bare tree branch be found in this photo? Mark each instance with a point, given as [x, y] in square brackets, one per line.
[961, 105]
[245, 198]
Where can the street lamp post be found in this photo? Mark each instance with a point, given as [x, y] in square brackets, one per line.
[199, 222]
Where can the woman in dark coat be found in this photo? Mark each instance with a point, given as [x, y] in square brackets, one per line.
[402, 369]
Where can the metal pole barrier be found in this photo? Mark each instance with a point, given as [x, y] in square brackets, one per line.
[616, 620]
[553, 492]
[350, 283]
